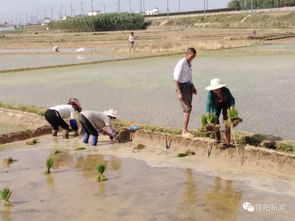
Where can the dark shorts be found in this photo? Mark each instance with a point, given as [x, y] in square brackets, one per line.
[87, 126]
[53, 117]
[187, 97]
[132, 43]
[221, 108]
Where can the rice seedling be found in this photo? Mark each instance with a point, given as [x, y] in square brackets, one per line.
[5, 195]
[9, 160]
[79, 148]
[49, 164]
[186, 153]
[56, 151]
[100, 169]
[32, 142]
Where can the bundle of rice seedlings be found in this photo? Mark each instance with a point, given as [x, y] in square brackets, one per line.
[233, 117]
[208, 122]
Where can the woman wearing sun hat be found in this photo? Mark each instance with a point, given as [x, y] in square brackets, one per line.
[218, 101]
[93, 123]
[56, 115]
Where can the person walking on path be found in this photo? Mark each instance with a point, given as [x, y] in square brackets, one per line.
[56, 115]
[93, 123]
[185, 87]
[131, 41]
[218, 101]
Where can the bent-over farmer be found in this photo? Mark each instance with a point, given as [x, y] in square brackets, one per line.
[218, 101]
[93, 123]
[185, 87]
[56, 115]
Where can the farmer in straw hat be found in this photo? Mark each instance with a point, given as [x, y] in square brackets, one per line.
[185, 87]
[56, 115]
[93, 123]
[218, 101]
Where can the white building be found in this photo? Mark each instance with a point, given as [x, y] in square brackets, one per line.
[46, 21]
[154, 11]
[92, 13]
[65, 17]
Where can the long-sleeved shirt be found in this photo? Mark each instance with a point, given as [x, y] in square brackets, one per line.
[212, 100]
[98, 119]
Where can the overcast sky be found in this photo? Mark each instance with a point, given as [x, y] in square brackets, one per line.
[12, 9]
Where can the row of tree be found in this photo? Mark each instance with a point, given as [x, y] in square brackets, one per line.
[249, 4]
[102, 22]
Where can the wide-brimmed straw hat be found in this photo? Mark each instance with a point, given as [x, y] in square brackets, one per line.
[215, 84]
[111, 113]
[75, 102]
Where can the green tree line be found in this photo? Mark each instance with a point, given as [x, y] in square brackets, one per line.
[247, 4]
[102, 22]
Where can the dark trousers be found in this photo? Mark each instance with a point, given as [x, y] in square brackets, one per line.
[53, 117]
[221, 108]
[87, 126]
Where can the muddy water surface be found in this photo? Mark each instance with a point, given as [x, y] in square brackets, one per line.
[134, 190]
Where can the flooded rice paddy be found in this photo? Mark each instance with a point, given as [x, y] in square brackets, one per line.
[143, 90]
[134, 190]
[17, 61]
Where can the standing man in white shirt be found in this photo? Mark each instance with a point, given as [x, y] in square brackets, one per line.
[185, 87]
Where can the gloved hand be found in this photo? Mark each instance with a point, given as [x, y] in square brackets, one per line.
[113, 135]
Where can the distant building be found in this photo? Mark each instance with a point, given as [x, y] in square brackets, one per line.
[93, 13]
[65, 17]
[46, 21]
[154, 11]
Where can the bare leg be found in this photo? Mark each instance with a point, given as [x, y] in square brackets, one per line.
[186, 117]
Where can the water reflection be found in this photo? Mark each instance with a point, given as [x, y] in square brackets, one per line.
[6, 213]
[50, 182]
[62, 159]
[88, 164]
[190, 188]
[224, 200]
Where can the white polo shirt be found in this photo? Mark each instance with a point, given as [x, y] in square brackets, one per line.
[183, 71]
[65, 111]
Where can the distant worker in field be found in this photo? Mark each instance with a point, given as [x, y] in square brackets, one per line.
[218, 101]
[132, 41]
[94, 122]
[55, 48]
[56, 115]
[185, 87]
